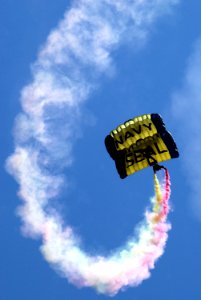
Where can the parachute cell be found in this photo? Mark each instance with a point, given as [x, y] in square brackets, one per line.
[140, 142]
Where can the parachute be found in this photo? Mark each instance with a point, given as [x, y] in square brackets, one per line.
[140, 142]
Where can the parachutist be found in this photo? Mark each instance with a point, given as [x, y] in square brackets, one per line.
[157, 167]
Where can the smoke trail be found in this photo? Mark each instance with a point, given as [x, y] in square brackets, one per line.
[75, 53]
[127, 266]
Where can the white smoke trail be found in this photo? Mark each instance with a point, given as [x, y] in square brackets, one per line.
[63, 76]
[186, 107]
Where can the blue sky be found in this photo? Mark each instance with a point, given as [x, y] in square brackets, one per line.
[157, 73]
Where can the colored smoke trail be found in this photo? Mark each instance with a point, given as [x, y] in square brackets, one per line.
[64, 76]
[127, 266]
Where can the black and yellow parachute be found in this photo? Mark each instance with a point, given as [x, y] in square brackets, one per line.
[140, 142]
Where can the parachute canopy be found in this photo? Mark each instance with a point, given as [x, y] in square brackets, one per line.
[140, 142]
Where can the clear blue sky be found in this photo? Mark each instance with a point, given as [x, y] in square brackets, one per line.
[147, 77]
